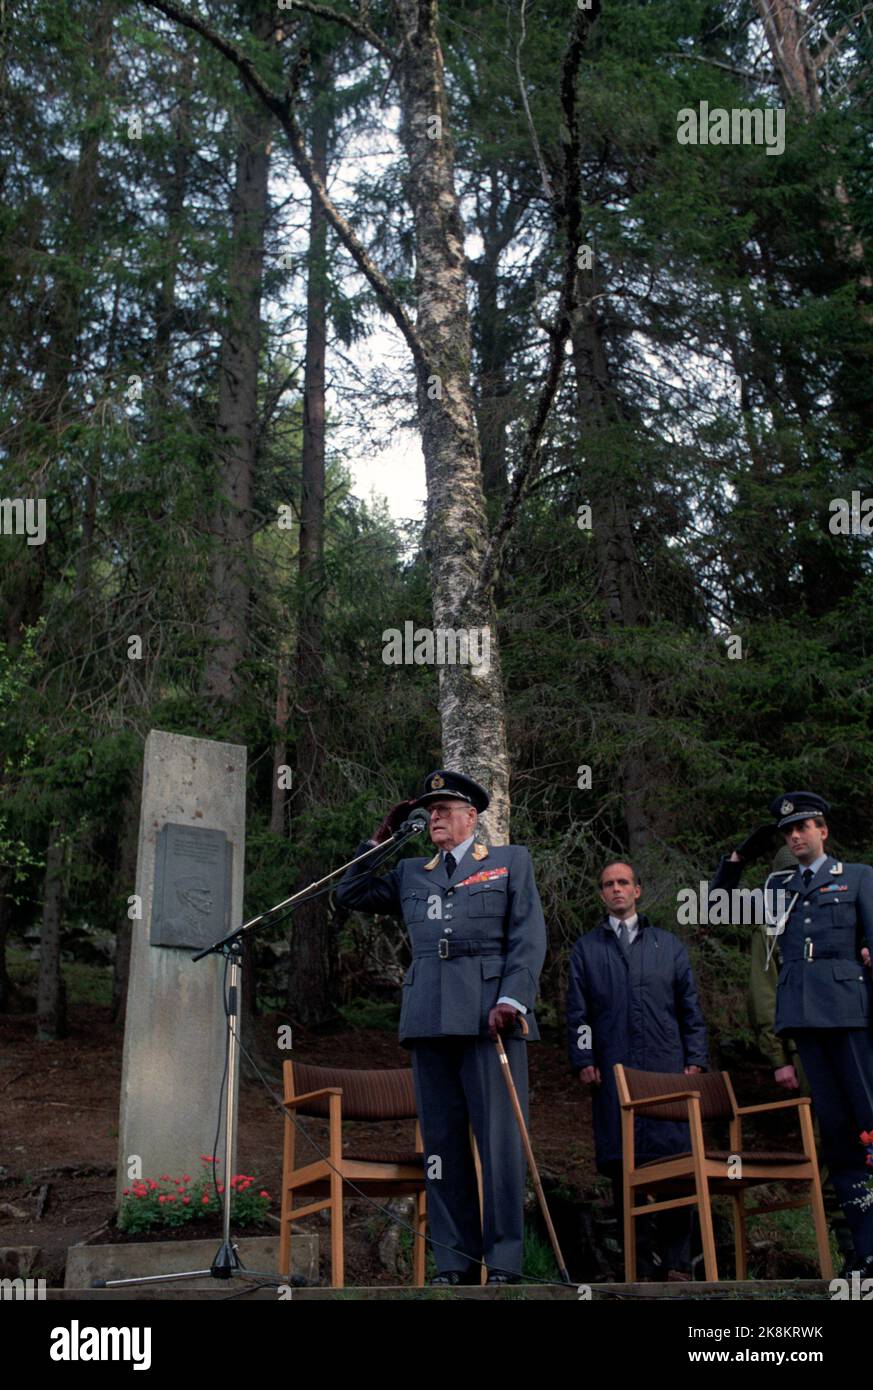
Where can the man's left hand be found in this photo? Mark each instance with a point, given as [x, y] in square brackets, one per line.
[692, 1071]
[501, 1019]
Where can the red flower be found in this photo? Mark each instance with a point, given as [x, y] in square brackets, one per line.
[221, 1187]
[126, 1192]
[152, 1184]
[264, 1194]
[186, 1201]
[162, 1199]
[186, 1177]
[205, 1200]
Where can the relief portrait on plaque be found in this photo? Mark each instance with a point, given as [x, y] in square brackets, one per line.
[192, 886]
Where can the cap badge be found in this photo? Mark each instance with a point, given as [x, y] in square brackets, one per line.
[786, 808]
[436, 782]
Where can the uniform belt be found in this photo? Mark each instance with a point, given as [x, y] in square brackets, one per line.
[446, 949]
[820, 955]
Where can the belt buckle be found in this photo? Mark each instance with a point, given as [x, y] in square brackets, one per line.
[443, 948]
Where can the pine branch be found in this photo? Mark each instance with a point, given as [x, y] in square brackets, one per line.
[282, 107]
[362, 30]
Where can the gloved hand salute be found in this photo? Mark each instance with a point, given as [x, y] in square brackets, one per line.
[393, 820]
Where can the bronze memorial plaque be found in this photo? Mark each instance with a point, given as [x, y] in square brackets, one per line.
[192, 886]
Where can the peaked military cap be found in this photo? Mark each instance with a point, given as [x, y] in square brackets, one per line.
[795, 806]
[443, 784]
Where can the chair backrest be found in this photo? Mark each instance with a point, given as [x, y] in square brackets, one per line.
[715, 1099]
[367, 1095]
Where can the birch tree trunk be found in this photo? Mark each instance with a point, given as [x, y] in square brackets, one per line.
[471, 704]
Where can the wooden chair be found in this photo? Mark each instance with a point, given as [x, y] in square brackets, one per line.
[328, 1093]
[710, 1096]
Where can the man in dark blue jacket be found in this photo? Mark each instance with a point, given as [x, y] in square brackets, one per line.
[632, 999]
[478, 941]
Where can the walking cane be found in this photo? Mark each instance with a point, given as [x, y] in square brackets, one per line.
[531, 1161]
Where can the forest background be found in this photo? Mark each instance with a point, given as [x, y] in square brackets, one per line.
[239, 249]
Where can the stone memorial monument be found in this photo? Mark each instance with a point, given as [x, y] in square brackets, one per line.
[189, 883]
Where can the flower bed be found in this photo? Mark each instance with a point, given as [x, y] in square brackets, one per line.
[159, 1205]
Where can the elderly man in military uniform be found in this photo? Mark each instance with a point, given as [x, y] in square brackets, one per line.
[478, 942]
[823, 1001]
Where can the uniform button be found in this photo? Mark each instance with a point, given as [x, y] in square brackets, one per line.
[450, 892]
[807, 921]
[447, 931]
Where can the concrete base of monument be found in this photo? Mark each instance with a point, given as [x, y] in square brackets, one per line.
[788, 1290]
[259, 1253]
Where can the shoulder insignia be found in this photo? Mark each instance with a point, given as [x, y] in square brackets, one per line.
[432, 863]
[479, 851]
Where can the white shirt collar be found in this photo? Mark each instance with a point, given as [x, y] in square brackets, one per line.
[815, 865]
[629, 922]
[459, 850]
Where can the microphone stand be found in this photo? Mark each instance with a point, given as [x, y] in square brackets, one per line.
[226, 1263]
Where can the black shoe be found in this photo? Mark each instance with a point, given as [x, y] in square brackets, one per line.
[450, 1277]
[498, 1277]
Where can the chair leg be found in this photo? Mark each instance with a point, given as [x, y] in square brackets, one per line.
[740, 1248]
[704, 1210]
[284, 1242]
[630, 1234]
[819, 1219]
[337, 1256]
[419, 1255]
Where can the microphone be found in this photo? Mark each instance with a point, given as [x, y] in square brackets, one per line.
[415, 824]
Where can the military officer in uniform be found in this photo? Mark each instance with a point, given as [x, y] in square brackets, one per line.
[478, 942]
[823, 1001]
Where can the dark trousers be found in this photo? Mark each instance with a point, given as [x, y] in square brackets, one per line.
[839, 1065]
[663, 1239]
[457, 1084]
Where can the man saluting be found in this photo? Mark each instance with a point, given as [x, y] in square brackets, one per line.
[478, 942]
[823, 1001]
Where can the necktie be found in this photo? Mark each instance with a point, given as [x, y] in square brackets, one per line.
[807, 877]
[624, 937]
[451, 863]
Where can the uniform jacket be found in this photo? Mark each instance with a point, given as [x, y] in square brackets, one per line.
[642, 1010]
[474, 939]
[822, 983]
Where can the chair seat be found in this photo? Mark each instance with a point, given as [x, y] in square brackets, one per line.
[406, 1157]
[722, 1155]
